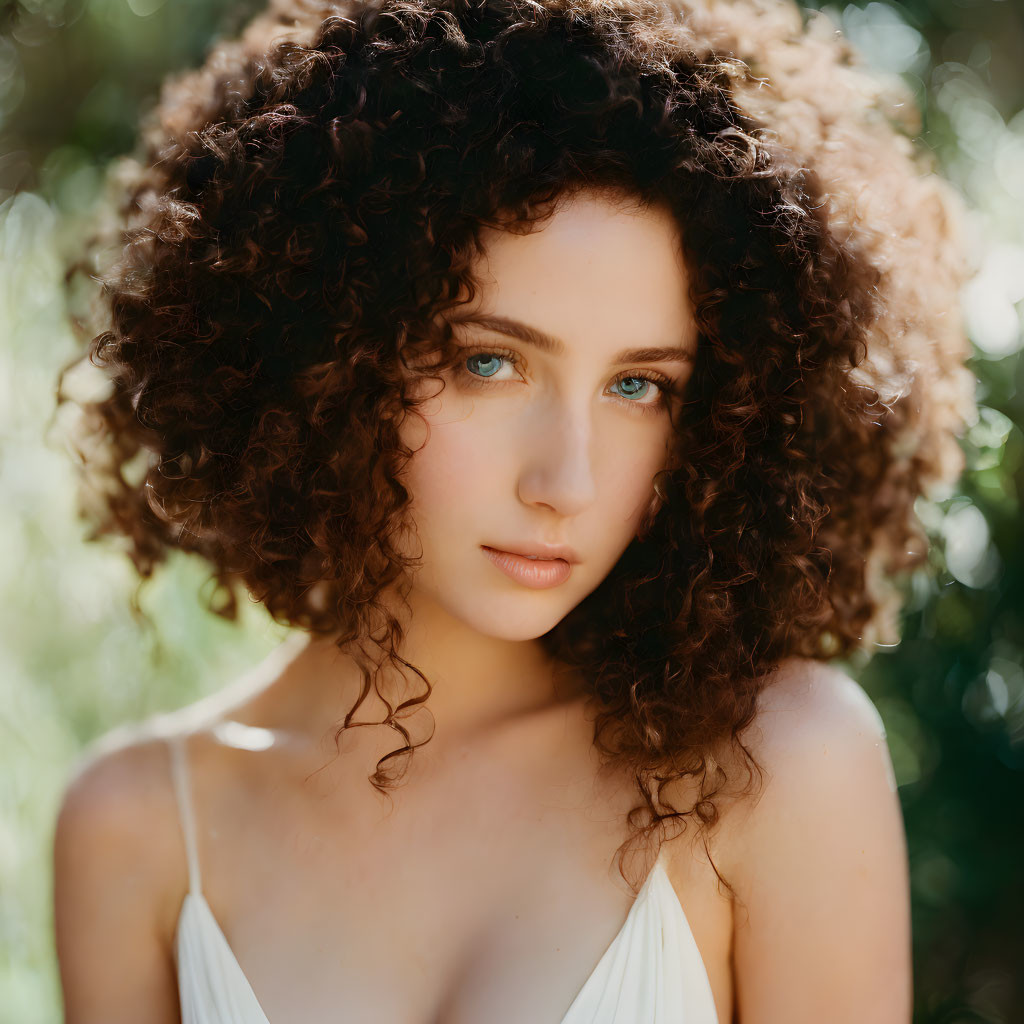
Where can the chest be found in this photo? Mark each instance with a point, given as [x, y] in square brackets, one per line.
[479, 899]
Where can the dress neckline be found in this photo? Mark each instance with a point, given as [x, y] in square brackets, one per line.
[194, 898]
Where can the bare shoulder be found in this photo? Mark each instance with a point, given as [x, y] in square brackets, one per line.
[814, 714]
[118, 809]
[803, 697]
[816, 735]
[817, 856]
[118, 871]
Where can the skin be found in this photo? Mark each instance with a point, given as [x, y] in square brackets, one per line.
[487, 888]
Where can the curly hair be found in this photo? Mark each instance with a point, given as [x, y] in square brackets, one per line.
[306, 203]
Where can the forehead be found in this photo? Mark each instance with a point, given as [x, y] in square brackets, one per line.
[599, 271]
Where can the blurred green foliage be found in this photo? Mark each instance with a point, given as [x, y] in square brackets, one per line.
[75, 660]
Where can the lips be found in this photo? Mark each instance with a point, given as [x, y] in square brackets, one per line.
[537, 573]
[538, 552]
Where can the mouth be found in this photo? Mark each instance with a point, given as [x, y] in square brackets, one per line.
[539, 552]
[533, 571]
[519, 554]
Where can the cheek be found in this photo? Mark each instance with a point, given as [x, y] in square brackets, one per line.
[625, 503]
[625, 475]
[454, 475]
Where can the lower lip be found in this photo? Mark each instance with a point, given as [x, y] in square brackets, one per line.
[531, 572]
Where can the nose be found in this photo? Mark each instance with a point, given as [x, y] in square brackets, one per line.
[558, 462]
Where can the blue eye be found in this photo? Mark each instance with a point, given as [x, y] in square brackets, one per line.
[487, 357]
[640, 381]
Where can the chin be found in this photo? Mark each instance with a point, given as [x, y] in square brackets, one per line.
[504, 621]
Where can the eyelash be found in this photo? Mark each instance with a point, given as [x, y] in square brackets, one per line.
[666, 387]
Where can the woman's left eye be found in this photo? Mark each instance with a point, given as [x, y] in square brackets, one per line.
[632, 383]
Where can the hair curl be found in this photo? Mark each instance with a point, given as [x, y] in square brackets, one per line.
[307, 202]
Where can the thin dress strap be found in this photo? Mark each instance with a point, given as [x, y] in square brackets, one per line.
[183, 793]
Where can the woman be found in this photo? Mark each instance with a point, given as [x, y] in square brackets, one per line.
[564, 373]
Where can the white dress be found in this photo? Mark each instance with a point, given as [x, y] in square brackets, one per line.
[651, 972]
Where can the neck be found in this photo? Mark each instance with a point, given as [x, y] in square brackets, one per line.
[478, 681]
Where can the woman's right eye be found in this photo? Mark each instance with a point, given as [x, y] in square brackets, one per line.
[483, 365]
[486, 365]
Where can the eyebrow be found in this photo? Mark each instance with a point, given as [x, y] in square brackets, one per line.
[549, 343]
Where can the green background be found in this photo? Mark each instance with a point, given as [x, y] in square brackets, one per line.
[75, 661]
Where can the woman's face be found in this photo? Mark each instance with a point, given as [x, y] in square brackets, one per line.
[553, 441]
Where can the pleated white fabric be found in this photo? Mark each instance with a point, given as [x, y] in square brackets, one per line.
[651, 972]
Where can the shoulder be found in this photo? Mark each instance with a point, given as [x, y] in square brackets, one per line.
[819, 742]
[814, 714]
[817, 857]
[117, 831]
[119, 819]
[119, 877]
[114, 781]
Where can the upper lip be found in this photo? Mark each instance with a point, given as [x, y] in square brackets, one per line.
[540, 550]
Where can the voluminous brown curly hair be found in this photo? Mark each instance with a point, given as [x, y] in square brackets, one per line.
[306, 204]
